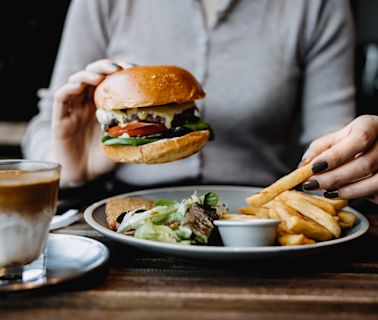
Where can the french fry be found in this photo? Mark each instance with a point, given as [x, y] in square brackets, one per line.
[305, 218]
[285, 183]
[282, 228]
[273, 214]
[296, 223]
[347, 219]
[285, 212]
[262, 215]
[316, 201]
[309, 228]
[317, 214]
[343, 225]
[338, 204]
[254, 211]
[235, 216]
[289, 239]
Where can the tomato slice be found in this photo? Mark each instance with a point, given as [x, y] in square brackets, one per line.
[137, 129]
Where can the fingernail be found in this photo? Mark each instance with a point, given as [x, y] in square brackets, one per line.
[117, 66]
[311, 185]
[300, 164]
[320, 166]
[332, 194]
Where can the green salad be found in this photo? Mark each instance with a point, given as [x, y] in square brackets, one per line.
[187, 222]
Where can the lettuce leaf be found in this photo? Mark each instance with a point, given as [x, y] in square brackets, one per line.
[109, 141]
[165, 202]
[158, 215]
[200, 125]
[209, 199]
[151, 231]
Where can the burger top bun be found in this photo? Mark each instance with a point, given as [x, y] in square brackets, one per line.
[144, 86]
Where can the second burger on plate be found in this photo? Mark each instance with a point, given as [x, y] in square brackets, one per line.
[148, 115]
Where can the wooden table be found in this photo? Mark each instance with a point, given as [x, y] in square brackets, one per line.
[337, 284]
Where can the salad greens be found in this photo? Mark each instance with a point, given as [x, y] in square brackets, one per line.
[164, 202]
[209, 199]
[200, 125]
[109, 140]
[185, 222]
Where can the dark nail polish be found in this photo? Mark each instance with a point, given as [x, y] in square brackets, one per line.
[319, 166]
[311, 185]
[117, 65]
[331, 194]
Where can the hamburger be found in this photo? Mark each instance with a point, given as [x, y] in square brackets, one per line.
[148, 115]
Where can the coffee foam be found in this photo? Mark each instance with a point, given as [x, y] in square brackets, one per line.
[26, 177]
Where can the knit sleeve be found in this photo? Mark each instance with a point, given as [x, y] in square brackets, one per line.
[328, 78]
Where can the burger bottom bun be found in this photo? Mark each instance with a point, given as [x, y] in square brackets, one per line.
[161, 151]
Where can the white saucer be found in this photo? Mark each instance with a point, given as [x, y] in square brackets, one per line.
[68, 257]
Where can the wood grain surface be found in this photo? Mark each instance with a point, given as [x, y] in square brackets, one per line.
[341, 283]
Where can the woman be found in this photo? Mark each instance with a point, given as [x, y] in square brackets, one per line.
[277, 74]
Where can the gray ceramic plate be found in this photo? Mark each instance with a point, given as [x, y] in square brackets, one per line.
[68, 257]
[233, 197]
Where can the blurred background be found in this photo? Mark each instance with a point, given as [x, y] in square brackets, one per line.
[30, 37]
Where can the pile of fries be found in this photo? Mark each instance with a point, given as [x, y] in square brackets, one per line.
[305, 218]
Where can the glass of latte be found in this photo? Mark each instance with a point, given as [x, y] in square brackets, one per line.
[28, 201]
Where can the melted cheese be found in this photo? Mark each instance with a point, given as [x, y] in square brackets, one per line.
[105, 117]
[122, 117]
[167, 112]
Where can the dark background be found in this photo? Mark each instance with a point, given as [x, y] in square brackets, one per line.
[31, 31]
[30, 35]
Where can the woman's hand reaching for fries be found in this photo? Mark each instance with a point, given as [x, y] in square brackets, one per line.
[352, 157]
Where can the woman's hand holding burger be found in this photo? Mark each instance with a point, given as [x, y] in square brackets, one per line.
[351, 155]
[76, 134]
[109, 113]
